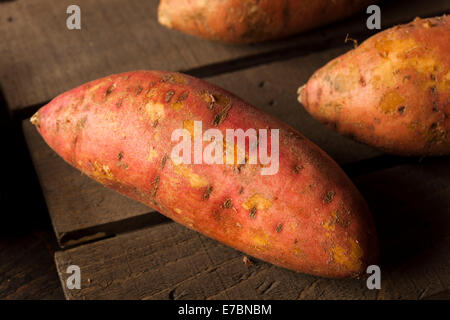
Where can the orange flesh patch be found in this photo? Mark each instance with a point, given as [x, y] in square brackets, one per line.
[195, 180]
[102, 172]
[189, 126]
[390, 102]
[350, 258]
[408, 55]
[154, 111]
[152, 154]
[257, 201]
[259, 239]
[177, 105]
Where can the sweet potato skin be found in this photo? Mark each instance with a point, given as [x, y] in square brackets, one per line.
[308, 217]
[247, 21]
[391, 92]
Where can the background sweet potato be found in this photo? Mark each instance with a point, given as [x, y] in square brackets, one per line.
[308, 217]
[392, 92]
[245, 21]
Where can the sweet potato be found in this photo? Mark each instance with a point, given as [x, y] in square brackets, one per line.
[247, 21]
[391, 92]
[308, 216]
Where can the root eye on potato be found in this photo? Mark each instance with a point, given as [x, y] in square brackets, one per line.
[403, 105]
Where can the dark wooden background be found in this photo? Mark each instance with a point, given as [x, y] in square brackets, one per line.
[52, 216]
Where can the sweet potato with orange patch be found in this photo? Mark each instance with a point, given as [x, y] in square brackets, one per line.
[246, 21]
[391, 92]
[307, 217]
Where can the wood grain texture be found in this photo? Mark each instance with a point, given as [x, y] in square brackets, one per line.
[410, 205]
[75, 201]
[172, 262]
[27, 241]
[27, 269]
[41, 58]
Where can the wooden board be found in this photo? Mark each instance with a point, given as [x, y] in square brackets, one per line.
[411, 209]
[43, 58]
[410, 205]
[27, 268]
[80, 208]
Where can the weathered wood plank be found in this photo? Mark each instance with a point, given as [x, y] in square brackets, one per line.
[411, 209]
[42, 58]
[75, 201]
[410, 205]
[27, 269]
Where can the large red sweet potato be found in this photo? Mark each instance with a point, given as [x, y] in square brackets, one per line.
[392, 92]
[307, 217]
[246, 21]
